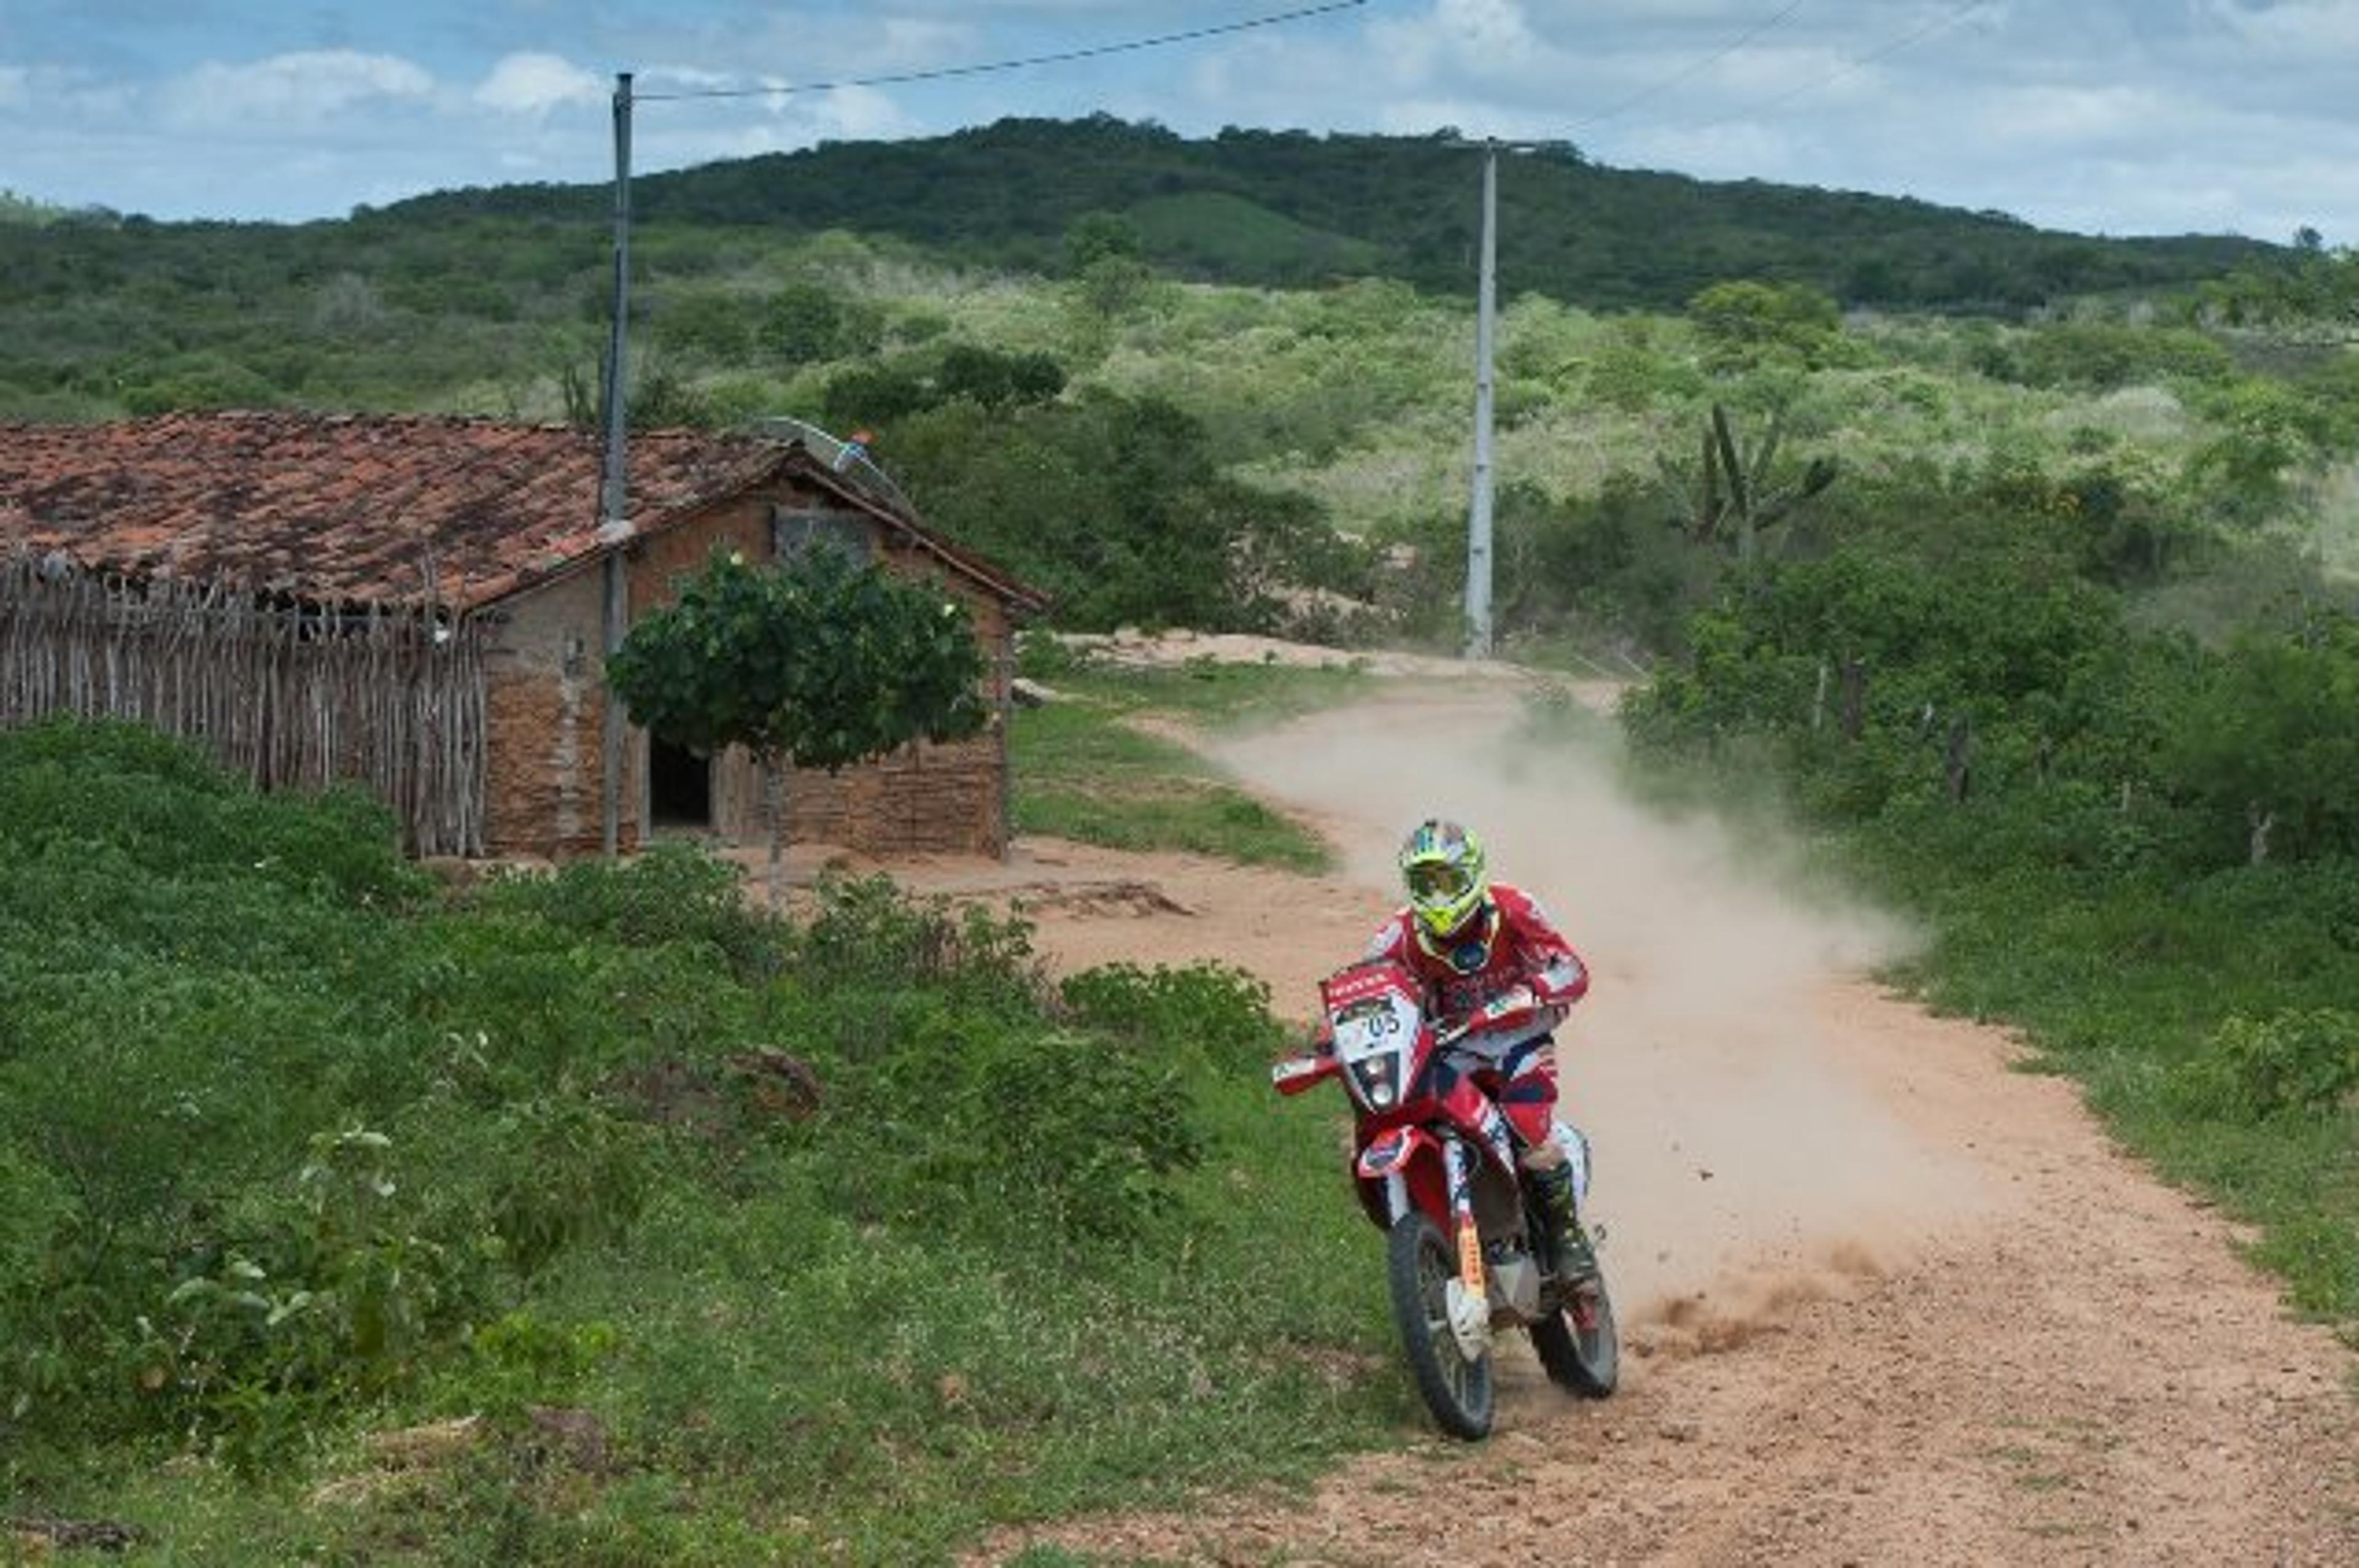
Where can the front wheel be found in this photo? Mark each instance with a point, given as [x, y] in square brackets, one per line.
[1579, 1346]
[1422, 1264]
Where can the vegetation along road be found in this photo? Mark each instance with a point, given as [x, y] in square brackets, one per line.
[1887, 1297]
[2000, 1206]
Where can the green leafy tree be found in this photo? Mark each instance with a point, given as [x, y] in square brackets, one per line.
[875, 394]
[997, 379]
[704, 323]
[1104, 255]
[820, 662]
[2268, 434]
[1095, 237]
[1118, 507]
[1744, 324]
[802, 322]
[2272, 746]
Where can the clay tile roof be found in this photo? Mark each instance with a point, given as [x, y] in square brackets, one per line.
[361, 507]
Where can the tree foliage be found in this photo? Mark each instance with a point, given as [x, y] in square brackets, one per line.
[1742, 324]
[822, 660]
[2269, 748]
[456, 297]
[1117, 506]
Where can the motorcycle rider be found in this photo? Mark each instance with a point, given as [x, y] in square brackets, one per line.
[1470, 941]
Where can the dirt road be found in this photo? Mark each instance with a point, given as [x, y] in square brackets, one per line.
[1887, 1299]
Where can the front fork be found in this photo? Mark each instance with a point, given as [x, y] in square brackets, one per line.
[1468, 1294]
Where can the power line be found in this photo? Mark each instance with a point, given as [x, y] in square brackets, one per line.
[1652, 88]
[1060, 57]
[1942, 23]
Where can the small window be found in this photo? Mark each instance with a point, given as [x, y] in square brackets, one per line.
[793, 532]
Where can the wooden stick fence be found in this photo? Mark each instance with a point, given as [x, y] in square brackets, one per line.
[294, 696]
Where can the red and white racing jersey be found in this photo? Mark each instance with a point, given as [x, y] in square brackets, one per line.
[1510, 943]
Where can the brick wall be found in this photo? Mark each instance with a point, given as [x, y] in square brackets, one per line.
[546, 709]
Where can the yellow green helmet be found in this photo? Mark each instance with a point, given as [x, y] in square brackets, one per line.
[1442, 864]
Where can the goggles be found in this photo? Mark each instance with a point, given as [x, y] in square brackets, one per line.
[1437, 879]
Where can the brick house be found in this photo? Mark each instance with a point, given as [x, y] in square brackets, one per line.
[420, 604]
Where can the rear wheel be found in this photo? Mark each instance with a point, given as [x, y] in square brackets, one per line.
[1579, 1344]
[1422, 1264]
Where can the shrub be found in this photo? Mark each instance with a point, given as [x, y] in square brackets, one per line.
[2302, 1063]
[672, 893]
[1218, 1012]
[866, 932]
[329, 1291]
[1016, 1129]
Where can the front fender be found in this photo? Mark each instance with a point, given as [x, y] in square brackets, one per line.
[1401, 1169]
[1392, 1151]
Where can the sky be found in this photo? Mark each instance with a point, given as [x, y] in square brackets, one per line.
[2113, 117]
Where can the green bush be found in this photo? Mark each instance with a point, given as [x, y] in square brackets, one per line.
[852, 1218]
[1023, 1130]
[1216, 1011]
[866, 932]
[670, 892]
[2301, 1063]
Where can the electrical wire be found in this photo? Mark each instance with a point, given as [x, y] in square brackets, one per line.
[1060, 57]
[1653, 87]
[1942, 23]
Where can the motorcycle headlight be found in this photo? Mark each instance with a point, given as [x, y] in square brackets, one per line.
[1376, 1079]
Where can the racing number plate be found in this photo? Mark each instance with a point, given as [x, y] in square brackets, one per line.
[1373, 1023]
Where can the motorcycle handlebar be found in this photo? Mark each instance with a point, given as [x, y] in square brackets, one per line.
[1509, 1007]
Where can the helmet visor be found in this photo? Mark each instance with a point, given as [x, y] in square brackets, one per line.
[1437, 882]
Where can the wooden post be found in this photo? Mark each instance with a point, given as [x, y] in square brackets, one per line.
[1961, 770]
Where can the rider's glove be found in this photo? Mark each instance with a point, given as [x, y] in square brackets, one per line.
[1514, 999]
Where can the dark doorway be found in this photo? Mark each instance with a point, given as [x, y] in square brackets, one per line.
[679, 786]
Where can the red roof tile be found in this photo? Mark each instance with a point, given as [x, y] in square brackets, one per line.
[362, 507]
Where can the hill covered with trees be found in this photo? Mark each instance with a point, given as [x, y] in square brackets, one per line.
[1288, 207]
[1226, 382]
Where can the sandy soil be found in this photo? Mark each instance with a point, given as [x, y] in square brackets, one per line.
[1886, 1299]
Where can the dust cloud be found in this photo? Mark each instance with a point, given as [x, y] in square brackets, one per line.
[1741, 1168]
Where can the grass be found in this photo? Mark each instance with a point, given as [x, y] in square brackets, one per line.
[1086, 770]
[2133, 984]
[402, 1226]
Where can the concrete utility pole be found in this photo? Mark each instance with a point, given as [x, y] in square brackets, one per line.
[614, 491]
[1478, 514]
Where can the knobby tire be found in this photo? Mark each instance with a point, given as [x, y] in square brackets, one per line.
[1420, 1264]
[1586, 1361]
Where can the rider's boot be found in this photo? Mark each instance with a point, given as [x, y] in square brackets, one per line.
[1575, 1258]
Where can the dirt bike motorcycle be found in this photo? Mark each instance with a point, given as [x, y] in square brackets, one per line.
[1468, 1248]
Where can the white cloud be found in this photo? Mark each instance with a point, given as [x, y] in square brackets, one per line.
[530, 83]
[861, 114]
[2296, 30]
[905, 42]
[304, 88]
[657, 79]
[1486, 29]
[55, 94]
[2089, 117]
